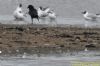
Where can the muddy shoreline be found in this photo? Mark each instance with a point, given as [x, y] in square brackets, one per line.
[16, 39]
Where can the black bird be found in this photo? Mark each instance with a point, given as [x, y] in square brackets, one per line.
[33, 12]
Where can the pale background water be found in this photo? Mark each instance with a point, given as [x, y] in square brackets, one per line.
[69, 12]
[64, 8]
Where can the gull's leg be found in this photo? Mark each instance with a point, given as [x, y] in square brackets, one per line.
[32, 20]
[86, 24]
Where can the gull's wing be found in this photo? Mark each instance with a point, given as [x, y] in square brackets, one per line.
[93, 16]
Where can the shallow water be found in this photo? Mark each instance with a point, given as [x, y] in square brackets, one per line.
[64, 8]
[62, 59]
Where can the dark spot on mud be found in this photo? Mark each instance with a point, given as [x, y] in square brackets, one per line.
[64, 35]
[20, 29]
[90, 46]
[44, 29]
[62, 46]
[90, 33]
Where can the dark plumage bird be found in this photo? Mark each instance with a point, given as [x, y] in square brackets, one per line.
[33, 12]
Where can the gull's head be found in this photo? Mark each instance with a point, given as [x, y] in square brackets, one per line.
[41, 7]
[84, 12]
[20, 5]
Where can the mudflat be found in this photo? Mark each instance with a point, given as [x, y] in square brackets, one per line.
[30, 39]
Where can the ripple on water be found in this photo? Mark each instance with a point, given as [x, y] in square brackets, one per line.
[49, 60]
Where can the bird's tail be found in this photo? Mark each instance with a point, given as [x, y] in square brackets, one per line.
[47, 10]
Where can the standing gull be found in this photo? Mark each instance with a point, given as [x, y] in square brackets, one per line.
[52, 16]
[89, 17]
[18, 13]
[42, 12]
